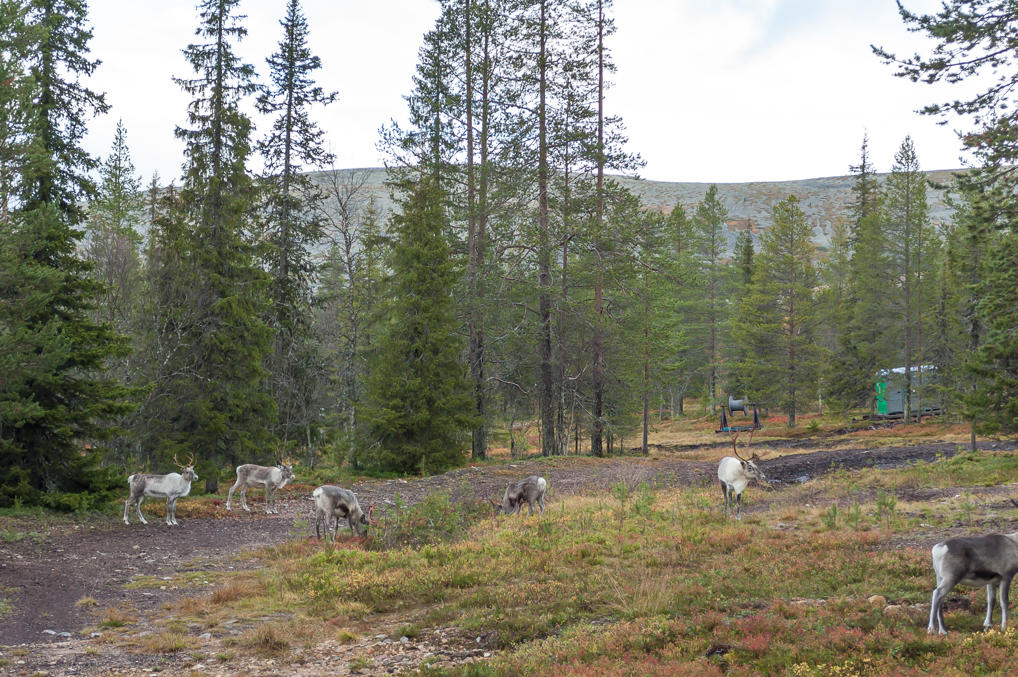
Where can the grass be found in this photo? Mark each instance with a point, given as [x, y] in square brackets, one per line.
[639, 580]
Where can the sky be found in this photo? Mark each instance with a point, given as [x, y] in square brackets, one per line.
[709, 90]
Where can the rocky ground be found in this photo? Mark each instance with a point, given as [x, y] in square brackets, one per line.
[55, 576]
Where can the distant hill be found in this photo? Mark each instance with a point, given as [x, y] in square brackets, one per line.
[825, 200]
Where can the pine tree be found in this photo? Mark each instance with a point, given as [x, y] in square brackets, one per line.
[56, 399]
[418, 399]
[292, 209]
[776, 325]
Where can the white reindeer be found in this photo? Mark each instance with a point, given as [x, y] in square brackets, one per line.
[530, 490]
[171, 487]
[990, 560]
[270, 477]
[735, 473]
[332, 502]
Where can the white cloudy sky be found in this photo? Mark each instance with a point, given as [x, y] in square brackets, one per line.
[710, 90]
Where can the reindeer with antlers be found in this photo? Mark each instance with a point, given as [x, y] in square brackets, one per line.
[171, 487]
[735, 473]
[270, 477]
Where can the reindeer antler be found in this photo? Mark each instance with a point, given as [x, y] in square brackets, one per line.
[735, 449]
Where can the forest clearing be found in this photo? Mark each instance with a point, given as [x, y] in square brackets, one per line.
[633, 569]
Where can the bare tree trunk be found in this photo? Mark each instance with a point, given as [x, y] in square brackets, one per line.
[598, 342]
[547, 388]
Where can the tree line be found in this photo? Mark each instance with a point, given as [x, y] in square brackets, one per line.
[516, 292]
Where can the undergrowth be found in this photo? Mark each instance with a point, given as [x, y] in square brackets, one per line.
[644, 581]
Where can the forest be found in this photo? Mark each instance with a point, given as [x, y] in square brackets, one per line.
[518, 297]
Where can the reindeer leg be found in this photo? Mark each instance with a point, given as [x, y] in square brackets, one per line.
[944, 586]
[243, 498]
[738, 506]
[127, 504]
[988, 621]
[1003, 588]
[137, 507]
[229, 496]
[268, 500]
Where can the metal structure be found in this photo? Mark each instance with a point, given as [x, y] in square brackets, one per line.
[738, 405]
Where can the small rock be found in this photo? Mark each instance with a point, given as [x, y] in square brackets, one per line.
[49, 632]
[64, 634]
[802, 479]
[404, 640]
[95, 634]
[205, 635]
[877, 600]
[894, 610]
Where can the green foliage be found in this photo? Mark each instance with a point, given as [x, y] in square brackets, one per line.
[776, 326]
[830, 517]
[418, 402]
[292, 209]
[887, 504]
[56, 398]
[434, 520]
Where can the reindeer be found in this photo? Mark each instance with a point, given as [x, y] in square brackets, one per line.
[530, 490]
[270, 477]
[990, 560]
[171, 487]
[332, 502]
[734, 473]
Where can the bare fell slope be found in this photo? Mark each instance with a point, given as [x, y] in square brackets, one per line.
[824, 200]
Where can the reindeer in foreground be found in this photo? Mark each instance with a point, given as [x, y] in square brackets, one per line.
[332, 502]
[990, 560]
[734, 474]
[270, 477]
[171, 487]
[530, 490]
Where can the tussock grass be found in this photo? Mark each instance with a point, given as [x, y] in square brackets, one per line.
[267, 639]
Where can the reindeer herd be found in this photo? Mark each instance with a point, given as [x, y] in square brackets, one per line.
[990, 560]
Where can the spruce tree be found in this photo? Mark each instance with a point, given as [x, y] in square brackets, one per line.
[777, 321]
[56, 398]
[907, 218]
[219, 303]
[419, 404]
[709, 222]
[292, 211]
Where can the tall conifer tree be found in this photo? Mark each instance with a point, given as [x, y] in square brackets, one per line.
[776, 324]
[418, 398]
[56, 398]
[292, 209]
[221, 405]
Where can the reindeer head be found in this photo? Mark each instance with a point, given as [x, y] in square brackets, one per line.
[363, 522]
[749, 464]
[187, 468]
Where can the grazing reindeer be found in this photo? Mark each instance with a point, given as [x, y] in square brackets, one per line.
[270, 477]
[990, 560]
[530, 490]
[734, 473]
[332, 502]
[171, 487]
